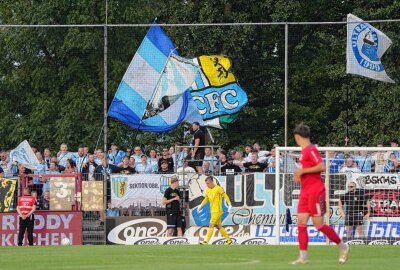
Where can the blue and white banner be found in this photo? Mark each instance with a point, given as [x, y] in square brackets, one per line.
[24, 155]
[365, 48]
[151, 95]
[214, 102]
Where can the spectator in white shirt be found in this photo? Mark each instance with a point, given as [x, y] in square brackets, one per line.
[185, 169]
[350, 166]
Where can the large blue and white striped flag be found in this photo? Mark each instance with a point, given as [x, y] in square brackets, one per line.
[152, 95]
[365, 47]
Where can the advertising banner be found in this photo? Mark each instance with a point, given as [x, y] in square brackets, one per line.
[233, 231]
[50, 228]
[375, 181]
[252, 197]
[62, 192]
[377, 230]
[384, 203]
[124, 230]
[139, 189]
[92, 196]
[7, 189]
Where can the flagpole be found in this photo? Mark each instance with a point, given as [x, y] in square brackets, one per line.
[286, 82]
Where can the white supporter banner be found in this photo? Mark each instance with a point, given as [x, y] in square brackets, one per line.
[24, 155]
[138, 189]
[365, 47]
[374, 181]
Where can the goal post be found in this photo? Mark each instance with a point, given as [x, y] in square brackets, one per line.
[370, 214]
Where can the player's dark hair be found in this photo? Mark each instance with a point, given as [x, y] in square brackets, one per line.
[209, 178]
[302, 130]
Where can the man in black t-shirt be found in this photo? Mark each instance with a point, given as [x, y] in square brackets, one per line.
[254, 165]
[164, 168]
[197, 153]
[355, 205]
[125, 168]
[173, 208]
[229, 167]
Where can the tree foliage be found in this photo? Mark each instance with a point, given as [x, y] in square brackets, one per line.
[51, 79]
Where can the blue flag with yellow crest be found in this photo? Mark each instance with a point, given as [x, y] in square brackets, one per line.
[216, 93]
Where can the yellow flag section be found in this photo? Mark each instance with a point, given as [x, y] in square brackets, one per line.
[7, 189]
[216, 69]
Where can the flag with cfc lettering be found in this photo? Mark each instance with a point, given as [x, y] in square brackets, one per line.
[217, 96]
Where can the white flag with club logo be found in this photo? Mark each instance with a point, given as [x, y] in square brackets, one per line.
[365, 47]
[24, 155]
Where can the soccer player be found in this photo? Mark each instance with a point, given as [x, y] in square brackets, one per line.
[214, 194]
[312, 196]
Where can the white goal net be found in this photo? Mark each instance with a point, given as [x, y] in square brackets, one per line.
[362, 195]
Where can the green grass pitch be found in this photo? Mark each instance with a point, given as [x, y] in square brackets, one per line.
[193, 257]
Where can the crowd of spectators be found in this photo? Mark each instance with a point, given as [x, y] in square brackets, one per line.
[175, 159]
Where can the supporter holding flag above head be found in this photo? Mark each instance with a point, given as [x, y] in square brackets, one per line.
[115, 155]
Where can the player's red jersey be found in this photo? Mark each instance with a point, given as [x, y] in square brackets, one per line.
[310, 157]
[25, 204]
